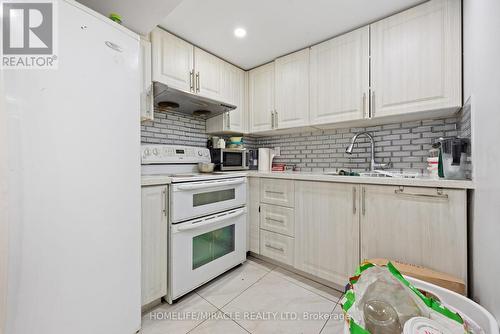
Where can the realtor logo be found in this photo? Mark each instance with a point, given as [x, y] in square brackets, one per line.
[28, 34]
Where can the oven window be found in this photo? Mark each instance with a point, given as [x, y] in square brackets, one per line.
[212, 245]
[213, 197]
[233, 159]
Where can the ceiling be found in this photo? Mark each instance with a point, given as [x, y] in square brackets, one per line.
[139, 16]
[274, 27]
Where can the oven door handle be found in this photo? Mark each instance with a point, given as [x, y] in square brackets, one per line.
[209, 184]
[213, 221]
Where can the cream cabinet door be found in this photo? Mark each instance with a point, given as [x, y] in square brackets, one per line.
[277, 192]
[253, 223]
[154, 243]
[145, 68]
[292, 90]
[420, 226]
[416, 59]
[237, 117]
[339, 78]
[261, 98]
[233, 91]
[209, 74]
[327, 229]
[172, 60]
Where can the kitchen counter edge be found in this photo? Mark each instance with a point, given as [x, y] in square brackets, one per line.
[417, 182]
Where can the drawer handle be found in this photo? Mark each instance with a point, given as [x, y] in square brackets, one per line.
[440, 194]
[275, 220]
[280, 249]
[275, 192]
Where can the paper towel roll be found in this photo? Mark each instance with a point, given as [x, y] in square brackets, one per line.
[264, 159]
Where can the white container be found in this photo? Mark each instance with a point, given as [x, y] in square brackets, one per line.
[421, 325]
[264, 159]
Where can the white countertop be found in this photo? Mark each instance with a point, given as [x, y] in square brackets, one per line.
[151, 180]
[154, 180]
[318, 176]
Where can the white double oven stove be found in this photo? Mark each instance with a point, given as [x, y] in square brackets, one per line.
[207, 216]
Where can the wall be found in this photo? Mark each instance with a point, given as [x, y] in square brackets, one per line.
[405, 144]
[482, 83]
[174, 128]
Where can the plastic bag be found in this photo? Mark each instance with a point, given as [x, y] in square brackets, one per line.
[386, 284]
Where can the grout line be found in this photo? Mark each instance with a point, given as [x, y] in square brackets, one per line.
[267, 273]
[333, 301]
[246, 330]
[324, 325]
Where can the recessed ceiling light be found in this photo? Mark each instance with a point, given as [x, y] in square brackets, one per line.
[240, 32]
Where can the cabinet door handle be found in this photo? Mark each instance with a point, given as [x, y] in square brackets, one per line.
[372, 109]
[439, 194]
[364, 105]
[354, 200]
[275, 192]
[229, 120]
[197, 82]
[276, 116]
[272, 119]
[363, 201]
[275, 220]
[191, 81]
[164, 202]
[280, 249]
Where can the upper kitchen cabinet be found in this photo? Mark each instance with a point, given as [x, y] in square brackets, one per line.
[146, 84]
[233, 88]
[209, 74]
[261, 98]
[173, 60]
[339, 73]
[416, 60]
[292, 90]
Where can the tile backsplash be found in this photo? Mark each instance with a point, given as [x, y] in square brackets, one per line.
[174, 128]
[405, 144]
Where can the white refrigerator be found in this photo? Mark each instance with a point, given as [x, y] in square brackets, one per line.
[70, 212]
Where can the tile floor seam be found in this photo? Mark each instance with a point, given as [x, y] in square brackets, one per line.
[239, 294]
[236, 322]
[333, 301]
[218, 309]
[331, 312]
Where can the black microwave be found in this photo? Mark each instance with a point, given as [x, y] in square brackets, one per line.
[229, 158]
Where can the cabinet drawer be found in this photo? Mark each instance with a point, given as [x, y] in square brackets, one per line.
[279, 192]
[277, 247]
[277, 219]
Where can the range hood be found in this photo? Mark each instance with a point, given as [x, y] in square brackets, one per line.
[170, 99]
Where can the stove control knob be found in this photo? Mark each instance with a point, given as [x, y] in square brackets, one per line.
[155, 151]
[147, 152]
[200, 153]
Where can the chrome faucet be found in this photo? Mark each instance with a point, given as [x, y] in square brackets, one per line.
[373, 164]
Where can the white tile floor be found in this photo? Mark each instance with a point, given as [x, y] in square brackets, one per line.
[255, 297]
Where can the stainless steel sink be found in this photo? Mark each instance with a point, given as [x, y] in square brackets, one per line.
[380, 173]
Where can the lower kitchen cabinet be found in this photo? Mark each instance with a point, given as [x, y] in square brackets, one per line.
[253, 216]
[277, 247]
[327, 229]
[277, 219]
[154, 243]
[332, 227]
[421, 226]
